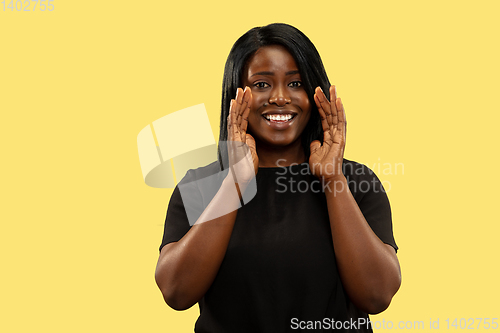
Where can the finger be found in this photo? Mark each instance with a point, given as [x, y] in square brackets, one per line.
[333, 93]
[322, 114]
[232, 109]
[333, 99]
[342, 118]
[229, 116]
[341, 115]
[231, 127]
[327, 106]
[244, 104]
[239, 95]
[246, 112]
[340, 133]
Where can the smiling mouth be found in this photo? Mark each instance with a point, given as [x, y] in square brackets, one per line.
[279, 118]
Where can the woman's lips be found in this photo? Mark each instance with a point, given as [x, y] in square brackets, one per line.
[279, 121]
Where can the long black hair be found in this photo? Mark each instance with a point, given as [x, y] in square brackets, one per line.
[306, 57]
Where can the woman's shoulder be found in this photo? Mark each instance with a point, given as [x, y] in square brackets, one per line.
[361, 179]
[353, 169]
[202, 172]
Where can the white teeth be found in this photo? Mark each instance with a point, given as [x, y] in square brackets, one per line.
[278, 117]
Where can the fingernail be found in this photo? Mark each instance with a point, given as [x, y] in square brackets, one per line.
[320, 89]
[335, 88]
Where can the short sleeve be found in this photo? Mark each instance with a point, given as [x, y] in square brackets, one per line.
[188, 201]
[372, 200]
[176, 221]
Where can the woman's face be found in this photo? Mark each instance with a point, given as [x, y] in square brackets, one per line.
[280, 107]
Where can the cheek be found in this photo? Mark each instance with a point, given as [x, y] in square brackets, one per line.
[253, 117]
[255, 105]
[254, 109]
[258, 100]
[306, 106]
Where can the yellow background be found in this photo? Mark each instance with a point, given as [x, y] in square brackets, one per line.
[79, 228]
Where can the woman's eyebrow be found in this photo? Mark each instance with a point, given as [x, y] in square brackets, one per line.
[272, 73]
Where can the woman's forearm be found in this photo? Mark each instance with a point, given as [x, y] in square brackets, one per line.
[187, 268]
[369, 269]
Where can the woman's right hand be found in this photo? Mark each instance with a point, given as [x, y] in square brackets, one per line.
[187, 268]
[242, 152]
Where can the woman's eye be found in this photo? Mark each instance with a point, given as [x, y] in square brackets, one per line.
[295, 84]
[261, 85]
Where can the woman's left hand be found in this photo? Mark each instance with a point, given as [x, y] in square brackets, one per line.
[325, 161]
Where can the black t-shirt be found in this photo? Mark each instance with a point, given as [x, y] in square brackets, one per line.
[279, 273]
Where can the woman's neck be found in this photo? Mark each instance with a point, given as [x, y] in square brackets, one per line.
[279, 156]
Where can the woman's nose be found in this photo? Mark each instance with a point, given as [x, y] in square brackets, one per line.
[279, 97]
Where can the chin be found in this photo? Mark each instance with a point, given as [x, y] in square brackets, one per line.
[280, 142]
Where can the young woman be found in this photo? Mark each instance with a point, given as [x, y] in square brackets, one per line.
[313, 249]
